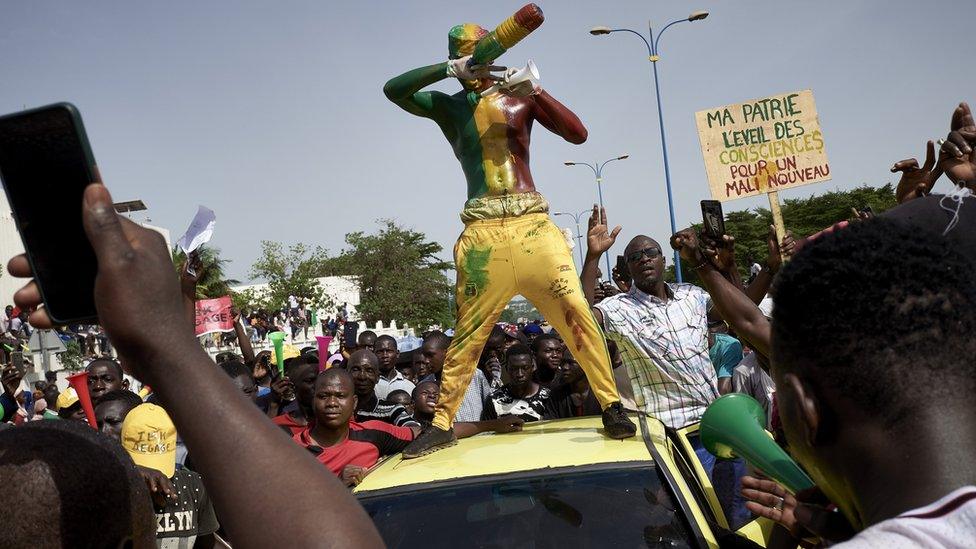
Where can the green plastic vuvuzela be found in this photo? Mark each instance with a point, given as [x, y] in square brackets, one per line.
[732, 426]
[278, 340]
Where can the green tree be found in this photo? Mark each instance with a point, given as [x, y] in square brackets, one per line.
[71, 357]
[803, 216]
[400, 276]
[250, 300]
[294, 272]
[212, 282]
[519, 308]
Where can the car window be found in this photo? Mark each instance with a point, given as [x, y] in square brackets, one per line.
[620, 508]
[694, 486]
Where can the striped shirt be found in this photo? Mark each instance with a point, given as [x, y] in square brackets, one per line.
[473, 402]
[664, 345]
[950, 522]
[394, 414]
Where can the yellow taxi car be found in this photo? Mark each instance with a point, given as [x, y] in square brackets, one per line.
[558, 483]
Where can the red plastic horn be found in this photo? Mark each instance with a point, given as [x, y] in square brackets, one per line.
[79, 382]
[324, 342]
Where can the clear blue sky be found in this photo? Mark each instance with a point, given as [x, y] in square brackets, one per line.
[272, 113]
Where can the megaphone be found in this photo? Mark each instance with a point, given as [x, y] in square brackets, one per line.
[508, 33]
[527, 73]
[79, 382]
[324, 342]
[732, 426]
[278, 340]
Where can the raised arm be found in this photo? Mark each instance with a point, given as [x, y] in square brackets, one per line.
[135, 280]
[598, 241]
[189, 274]
[777, 251]
[732, 305]
[558, 119]
[247, 351]
[404, 90]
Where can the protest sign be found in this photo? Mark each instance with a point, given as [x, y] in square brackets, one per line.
[763, 145]
[200, 230]
[213, 315]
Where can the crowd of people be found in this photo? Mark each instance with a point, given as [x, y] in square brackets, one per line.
[863, 368]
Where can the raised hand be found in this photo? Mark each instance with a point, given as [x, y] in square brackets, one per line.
[522, 89]
[780, 250]
[11, 378]
[598, 238]
[459, 68]
[957, 157]
[622, 281]
[685, 242]
[915, 181]
[720, 253]
[135, 280]
[283, 389]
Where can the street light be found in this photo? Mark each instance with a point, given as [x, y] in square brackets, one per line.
[653, 56]
[579, 234]
[598, 173]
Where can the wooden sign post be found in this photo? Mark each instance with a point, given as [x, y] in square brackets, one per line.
[762, 146]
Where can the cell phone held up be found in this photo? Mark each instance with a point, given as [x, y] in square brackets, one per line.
[713, 219]
[45, 165]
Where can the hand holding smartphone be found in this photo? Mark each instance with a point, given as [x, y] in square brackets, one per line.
[713, 219]
[45, 165]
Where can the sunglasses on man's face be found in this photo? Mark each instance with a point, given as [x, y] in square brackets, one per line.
[651, 253]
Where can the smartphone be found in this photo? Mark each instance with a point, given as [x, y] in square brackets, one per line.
[349, 333]
[45, 165]
[17, 359]
[622, 271]
[713, 219]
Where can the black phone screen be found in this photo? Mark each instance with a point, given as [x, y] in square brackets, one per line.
[713, 218]
[45, 165]
[350, 332]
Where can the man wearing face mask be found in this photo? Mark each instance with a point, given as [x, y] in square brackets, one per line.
[509, 245]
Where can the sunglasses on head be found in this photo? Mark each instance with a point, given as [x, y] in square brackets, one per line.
[651, 253]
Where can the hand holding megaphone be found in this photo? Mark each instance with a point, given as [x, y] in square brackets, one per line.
[518, 82]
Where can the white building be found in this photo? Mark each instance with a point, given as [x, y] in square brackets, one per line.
[11, 245]
[339, 289]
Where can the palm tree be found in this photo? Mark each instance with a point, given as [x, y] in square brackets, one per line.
[211, 283]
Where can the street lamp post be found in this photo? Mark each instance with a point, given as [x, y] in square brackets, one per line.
[653, 56]
[579, 234]
[598, 173]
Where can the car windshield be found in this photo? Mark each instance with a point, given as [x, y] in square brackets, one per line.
[620, 508]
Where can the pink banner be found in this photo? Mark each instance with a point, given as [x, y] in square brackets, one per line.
[213, 315]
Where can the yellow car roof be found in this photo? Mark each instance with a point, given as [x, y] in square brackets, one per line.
[540, 445]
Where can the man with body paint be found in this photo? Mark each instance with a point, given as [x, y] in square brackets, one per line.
[509, 245]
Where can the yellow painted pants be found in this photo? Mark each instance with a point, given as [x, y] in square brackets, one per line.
[497, 259]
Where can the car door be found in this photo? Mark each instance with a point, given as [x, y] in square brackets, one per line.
[758, 529]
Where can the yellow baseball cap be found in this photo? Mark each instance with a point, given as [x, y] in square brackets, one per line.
[149, 436]
[66, 398]
[287, 351]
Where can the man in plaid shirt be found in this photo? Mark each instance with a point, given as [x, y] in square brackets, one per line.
[661, 330]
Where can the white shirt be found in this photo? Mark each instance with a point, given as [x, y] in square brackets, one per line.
[949, 522]
[292, 302]
[664, 345]
[749, 378]
[384, 387]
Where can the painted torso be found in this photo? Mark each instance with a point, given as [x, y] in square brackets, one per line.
[491, 140]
